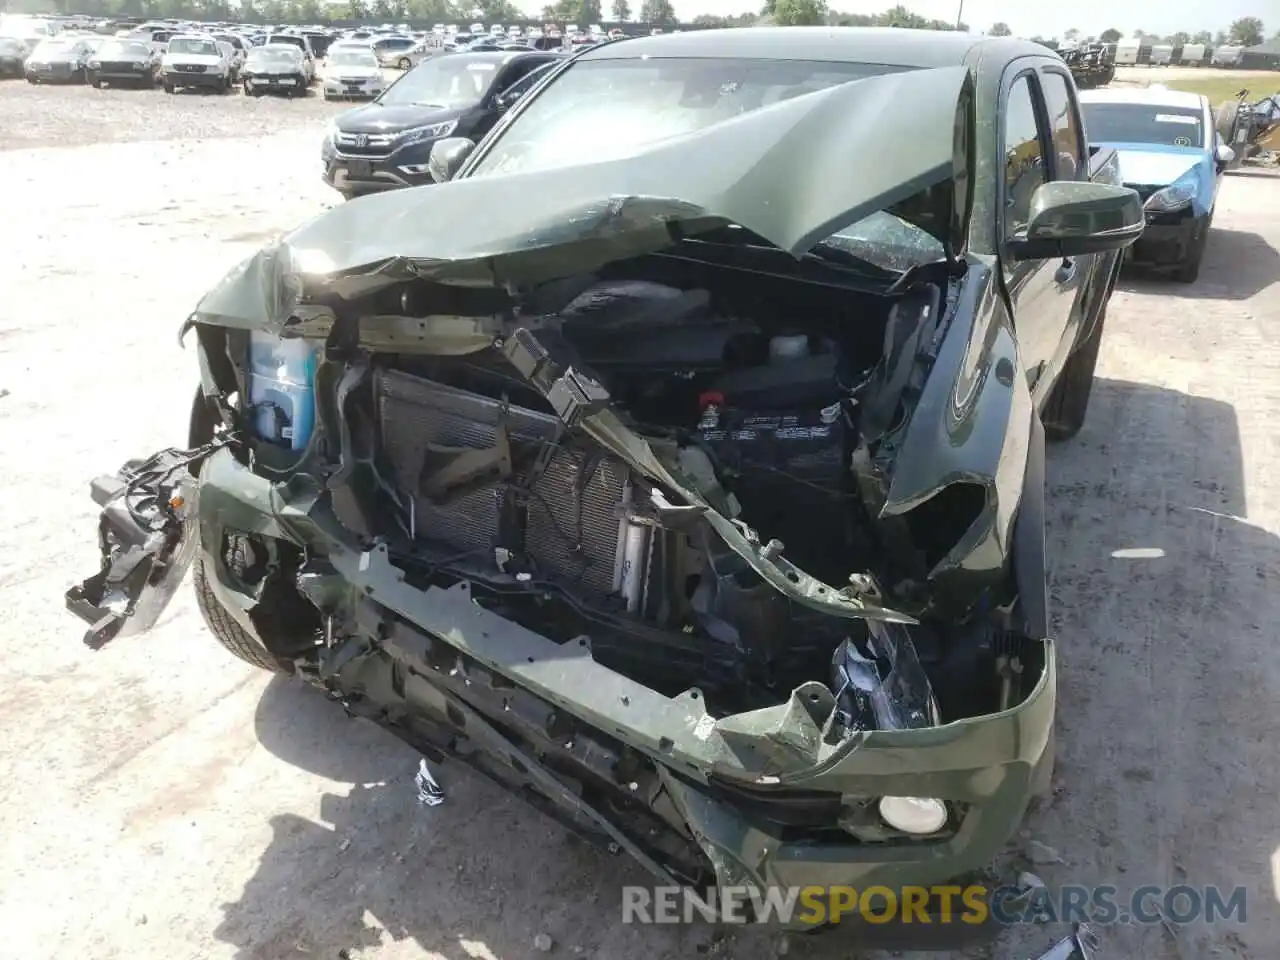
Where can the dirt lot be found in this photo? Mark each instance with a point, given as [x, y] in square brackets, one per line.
[1214, 82]
[164, 801]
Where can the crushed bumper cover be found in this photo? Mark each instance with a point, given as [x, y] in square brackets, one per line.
[1167, 239]
[985, 767]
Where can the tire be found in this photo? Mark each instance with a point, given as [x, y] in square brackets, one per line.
[169, 88]
[404, 63]
[1189, 270]
[225, 629]
[32, 80]
[1065, 410]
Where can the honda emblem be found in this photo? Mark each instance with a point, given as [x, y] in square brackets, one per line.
[362, 140]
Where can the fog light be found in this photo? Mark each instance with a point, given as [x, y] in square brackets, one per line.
[916, 815]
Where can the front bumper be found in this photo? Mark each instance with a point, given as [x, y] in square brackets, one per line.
[53, 72]
[334, 89]
[1168, 238]
[985, 767]
[209, 81]
[143, 75]
[276, 84]
[405, 166]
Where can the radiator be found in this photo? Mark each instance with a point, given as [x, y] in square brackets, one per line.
[573, 508]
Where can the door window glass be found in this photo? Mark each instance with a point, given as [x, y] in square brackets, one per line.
[1024, 155]
[1062, 123]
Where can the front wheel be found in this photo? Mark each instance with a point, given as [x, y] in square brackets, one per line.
[404, 63]
[223, 626]
[1189, 270]
[169, 88]
[93, 80]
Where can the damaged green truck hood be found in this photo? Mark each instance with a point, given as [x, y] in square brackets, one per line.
[793, 173]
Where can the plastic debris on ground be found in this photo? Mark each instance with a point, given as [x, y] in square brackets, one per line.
[430, 793]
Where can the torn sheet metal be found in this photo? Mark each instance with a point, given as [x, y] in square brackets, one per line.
[793, 172]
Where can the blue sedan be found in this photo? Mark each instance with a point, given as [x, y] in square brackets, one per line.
[1171, 154]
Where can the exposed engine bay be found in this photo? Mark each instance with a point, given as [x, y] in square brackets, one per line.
[773, 404]
[633, 544]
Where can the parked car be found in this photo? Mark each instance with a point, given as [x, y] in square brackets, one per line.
[196, 61]
[709, 526]
[352, 73]
[400, 52]
[58, 60]
[13, 53]
[275, 68]
[239, 51]
[303, 44]
[123, 61]
[386, 144]
[1172, 155]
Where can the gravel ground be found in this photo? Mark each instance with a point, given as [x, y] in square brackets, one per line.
[165, 801]
[73, 115]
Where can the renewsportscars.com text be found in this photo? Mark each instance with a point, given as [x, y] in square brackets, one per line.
[972, 905]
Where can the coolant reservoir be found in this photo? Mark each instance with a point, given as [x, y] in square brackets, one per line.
[282, 389]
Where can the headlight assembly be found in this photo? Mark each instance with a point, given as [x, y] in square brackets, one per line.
[431, 132]
[1173, 197]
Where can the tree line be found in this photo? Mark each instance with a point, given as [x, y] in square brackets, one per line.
[1245, 32]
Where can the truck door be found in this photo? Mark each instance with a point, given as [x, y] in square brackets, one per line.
[1042, 141]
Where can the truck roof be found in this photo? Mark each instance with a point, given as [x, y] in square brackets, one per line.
[1155, 96]
[889, 45]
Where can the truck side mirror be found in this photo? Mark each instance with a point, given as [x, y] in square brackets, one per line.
[1073, 218]
[447, 156]
[1225, 156]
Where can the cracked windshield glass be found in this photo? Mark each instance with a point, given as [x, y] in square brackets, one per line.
[608, 109]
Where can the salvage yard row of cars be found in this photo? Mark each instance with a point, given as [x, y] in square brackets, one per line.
[695, 492]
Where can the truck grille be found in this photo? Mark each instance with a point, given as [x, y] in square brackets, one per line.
[189, 67]
[572, 509]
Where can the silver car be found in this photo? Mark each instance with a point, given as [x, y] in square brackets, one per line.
[400, 52]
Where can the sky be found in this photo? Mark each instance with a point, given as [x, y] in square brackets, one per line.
[1028, 19]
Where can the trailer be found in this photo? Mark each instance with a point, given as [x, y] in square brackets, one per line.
[1161, 55]
[1227, 56]
[1127, 54]
[1194, 55]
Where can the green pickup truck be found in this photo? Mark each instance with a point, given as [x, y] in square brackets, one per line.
[677, 460]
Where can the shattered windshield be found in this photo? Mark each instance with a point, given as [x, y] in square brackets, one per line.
[455, 81]
[352, 58]
[203, 48]
[275, 55]
[122, 48]
[608, 109]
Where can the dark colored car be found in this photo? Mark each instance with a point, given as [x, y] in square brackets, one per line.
[124, 61]
[385, 144]
[59, 60]
[274, 68]
[694, 492]
[13, 53]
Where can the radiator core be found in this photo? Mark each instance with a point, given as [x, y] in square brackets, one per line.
[573, 507]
